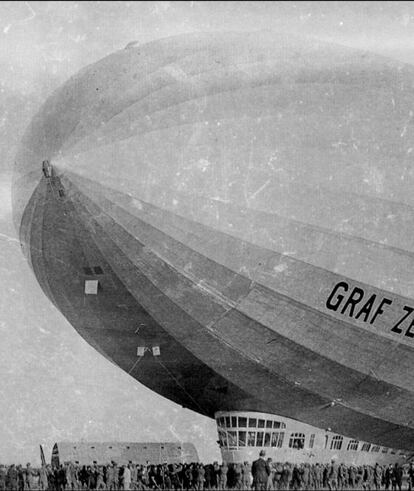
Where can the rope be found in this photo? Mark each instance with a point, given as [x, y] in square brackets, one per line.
[135, 364]
[179, 385]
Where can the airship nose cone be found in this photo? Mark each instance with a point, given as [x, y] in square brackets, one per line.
[259, 186]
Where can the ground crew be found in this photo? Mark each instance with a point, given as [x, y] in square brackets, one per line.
[223, 476]
[411, 477]
[377, 476]
[11, 478]
[260, 472]
[246, 479]
[2, 478]
[112, 477]
[43, 483]
[30, 478]
[333, 475]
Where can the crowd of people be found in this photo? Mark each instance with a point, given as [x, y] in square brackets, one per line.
[263, 474]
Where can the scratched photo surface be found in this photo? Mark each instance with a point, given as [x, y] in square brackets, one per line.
[304, 200]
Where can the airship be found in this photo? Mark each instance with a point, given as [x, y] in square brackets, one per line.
[228, 217]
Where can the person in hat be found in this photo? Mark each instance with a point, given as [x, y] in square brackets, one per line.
[260, 472]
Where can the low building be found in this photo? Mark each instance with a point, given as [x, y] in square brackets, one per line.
[86, 453]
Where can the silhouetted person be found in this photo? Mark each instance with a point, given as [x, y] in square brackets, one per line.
[260, 471]
[411, 477]
[397, 477]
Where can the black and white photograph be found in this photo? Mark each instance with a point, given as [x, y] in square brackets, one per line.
[206, 245]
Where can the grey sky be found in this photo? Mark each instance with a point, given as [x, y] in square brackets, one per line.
[54, 385]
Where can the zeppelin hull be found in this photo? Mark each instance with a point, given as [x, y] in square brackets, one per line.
[232, 217]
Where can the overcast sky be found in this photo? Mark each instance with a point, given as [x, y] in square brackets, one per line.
[53, 385]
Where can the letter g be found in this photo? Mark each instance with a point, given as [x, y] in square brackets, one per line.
[333, 303]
